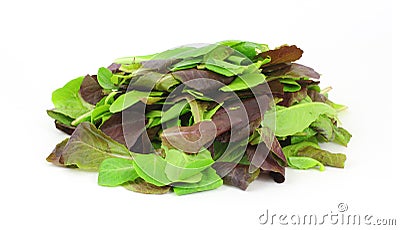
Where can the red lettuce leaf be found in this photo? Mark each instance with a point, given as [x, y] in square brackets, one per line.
[269, 164]
[141, 186]
[65, 128]
[114, 67]
[201, 80]
[282, 54]
[90, 90]
[192, 138]
[239, 176]
[55, 155]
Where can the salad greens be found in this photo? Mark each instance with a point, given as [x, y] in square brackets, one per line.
[195, 117]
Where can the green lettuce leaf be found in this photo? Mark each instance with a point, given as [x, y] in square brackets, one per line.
[305, 163]
[116, 171]
[209, 181]
[151, 167]
[181, 166]
[295, 119]
[68, 102]
[323, 156]
[104, 76]
[342, 136]
[312, 150]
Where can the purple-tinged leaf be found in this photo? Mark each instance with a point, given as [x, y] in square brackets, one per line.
[239, 176]
[87, 148]
[141, 186]
[201, 80]
[55, 155]
[282, 54]
[268, 161]
[90, 90]
[65, 128]
[114, 67]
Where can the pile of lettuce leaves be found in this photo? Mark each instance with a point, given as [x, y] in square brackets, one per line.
[192, 118]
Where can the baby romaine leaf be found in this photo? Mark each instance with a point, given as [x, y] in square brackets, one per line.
[104, 76]
[304, 163]
[88, 147]
[328, 131]
[181, 166]
[65, 128]
[60, 117]
[189, 138]
[342, 136]
[323, 156]
[245, 81]
[116, 171]
[312, 150]
[292, 150]
[249, 49]
[151, 167]
[302, 136]
[239, 176]
[56, 154]
[67, 100]
[127, 100]
[290, 98]
[90, 90]
[297, 70]
[282, 54]
[187, 64]
[209, 181]
[201, 80]
[219, 53]
[324, 126]
[290, 85]
[298, 117]
[174, 111]
[99, 112]
[141, 186]
[224, 68]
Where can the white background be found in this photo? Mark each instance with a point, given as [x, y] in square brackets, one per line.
[46, 43]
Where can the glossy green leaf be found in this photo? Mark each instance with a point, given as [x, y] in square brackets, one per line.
[290, 85]
[174, 112]
[67, 100]
[104, 76]
[181, 166]
[116, 171]
[304, 163]
[245, 81]
[323, 156]
[296, 118]
[60, 117]
[312, 150]
[127, 100]
[209, 181]
[187, 64]
[305, 135]
[151, 168]
[224, 68]
[292, 150]
[342, 136]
